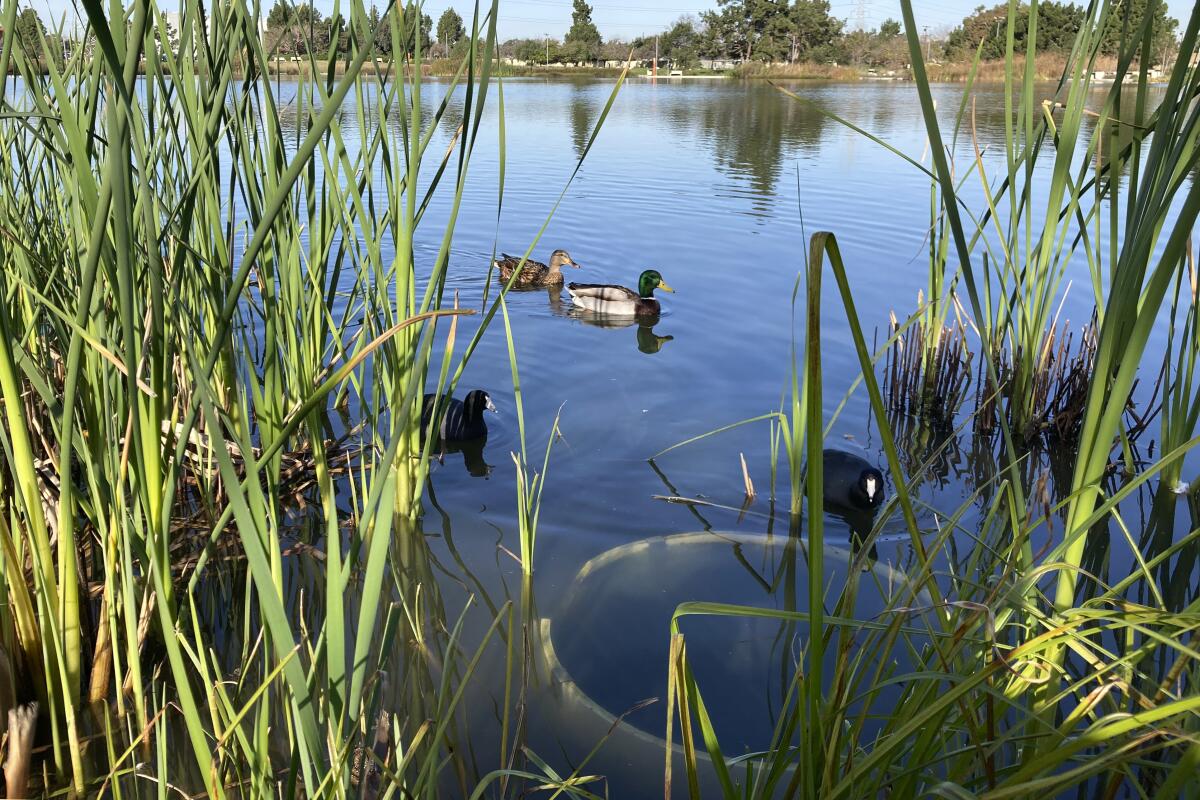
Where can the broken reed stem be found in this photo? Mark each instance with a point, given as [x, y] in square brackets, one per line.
[746, 482]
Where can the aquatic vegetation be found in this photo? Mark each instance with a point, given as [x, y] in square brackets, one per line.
[529, 487]
[191, 393]
[927, 373]
[1025, 665]
[216, 339]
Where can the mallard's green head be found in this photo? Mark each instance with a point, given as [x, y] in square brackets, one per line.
[650, 281]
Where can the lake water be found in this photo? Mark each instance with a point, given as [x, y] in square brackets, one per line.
[715, 184]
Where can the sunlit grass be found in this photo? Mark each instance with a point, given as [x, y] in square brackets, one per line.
[196, 272]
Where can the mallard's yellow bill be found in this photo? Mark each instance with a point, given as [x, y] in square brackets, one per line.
[663, 285]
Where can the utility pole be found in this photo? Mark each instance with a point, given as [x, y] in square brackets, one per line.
[928, 43]
[656, 55]
[547, 36]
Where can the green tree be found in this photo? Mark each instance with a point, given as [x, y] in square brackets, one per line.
[533, 51]
[814, 26]
[889, 29]
[409, 22]
[278, 38]
[29, 29]
[291, 29]
[726, 34]
[1058, 25]
[450, 29]
[681, 44]
[769, 30]
[1128, 16]
[583, 40]
[411, 13]
[311, 30]
[280, 16]
[383, 32]
[340, 33]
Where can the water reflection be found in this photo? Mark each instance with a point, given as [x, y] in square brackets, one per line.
[582, 116]
[750, 135]
[472, 453]
[648, 341]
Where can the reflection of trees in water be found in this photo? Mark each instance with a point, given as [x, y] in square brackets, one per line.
[752, 130]
[583, 116]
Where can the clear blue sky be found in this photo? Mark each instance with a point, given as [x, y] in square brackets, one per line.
[625, 19]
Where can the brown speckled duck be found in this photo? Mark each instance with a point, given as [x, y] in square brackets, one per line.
[535, 273]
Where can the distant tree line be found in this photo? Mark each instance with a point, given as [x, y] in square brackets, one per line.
[806, 30]
[36, 42]
[295, 29]
[1058, 26]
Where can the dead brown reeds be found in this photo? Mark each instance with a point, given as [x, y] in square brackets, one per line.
[929, 376]
[928, 370]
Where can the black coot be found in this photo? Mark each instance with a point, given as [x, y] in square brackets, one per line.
[851, 482]
[463, 420]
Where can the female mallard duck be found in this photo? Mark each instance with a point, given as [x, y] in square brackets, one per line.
[534, 273]
[617, 300]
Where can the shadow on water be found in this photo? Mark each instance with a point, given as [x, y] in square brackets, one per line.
[648, 341]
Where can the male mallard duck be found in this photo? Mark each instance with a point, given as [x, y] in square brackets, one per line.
[535, 273]
[851, 482]
[463, 419]
[617, 300]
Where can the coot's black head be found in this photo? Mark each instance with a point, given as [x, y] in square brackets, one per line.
[475, 404]
[868, 490]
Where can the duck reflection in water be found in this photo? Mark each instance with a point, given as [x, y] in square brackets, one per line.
[647, 340]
